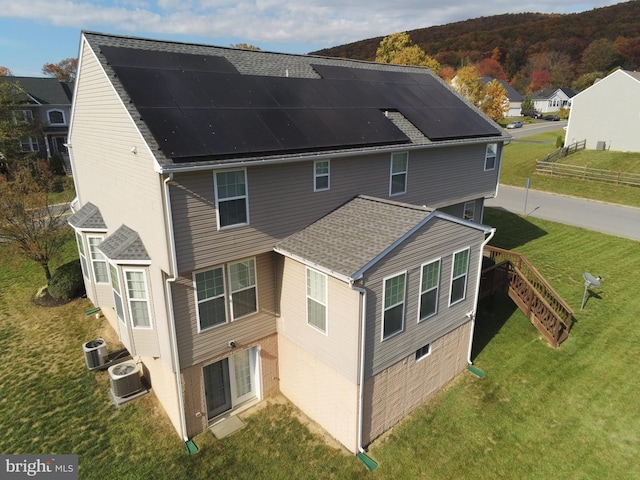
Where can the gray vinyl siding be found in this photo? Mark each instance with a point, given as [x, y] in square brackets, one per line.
[439, 238]
[282, 200]
[194, 346]
[123, 185]
[339, 347]
[457, 210]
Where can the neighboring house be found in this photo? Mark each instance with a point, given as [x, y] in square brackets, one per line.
[49, 103]
[253, 223]
[606, 114]
[515, 97]
[552, 99]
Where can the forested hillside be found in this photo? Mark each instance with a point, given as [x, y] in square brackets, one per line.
[534, 50]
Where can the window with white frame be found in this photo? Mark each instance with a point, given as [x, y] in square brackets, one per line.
[98, 261]
[459, 271]
[83, 255]
[321, 175]
[210, 297]
[244, 291]
[22, 116]
[117, 293]
[423, 352]
[470, 210]
[398, 178]
[138, 298]
[231, 198]
[429, 287]
[490, 156]
[29, 144]
[317, 299]
[56, 117]
[393, 303]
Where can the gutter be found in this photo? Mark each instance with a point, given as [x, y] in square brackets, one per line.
[363, 330]
[472, 313]
[172, 320]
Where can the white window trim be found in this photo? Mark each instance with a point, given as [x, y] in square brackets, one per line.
[316, 176]
[231, 291]
[404, 305]
[64, 117]
[487, 156]
[437, 288]
[472, 203]
[97, 260]
[83, 255]
[466, 275]
[26, 115]
[224, 295]
[245, 196]
[33, 143]
[405, 172]
[147, 299]
[422, 357]
[324, 301]
[117, 292]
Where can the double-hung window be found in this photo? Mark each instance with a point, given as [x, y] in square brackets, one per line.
[460, 269]
[490, 156]
[429, 283]
[231, 198]
[98, 261]
[210, 297]
[244, 291]
[83, 255]
[393, 311]
[398, 178]
[321, 175]
[317, 299]
[470, 210]
[22, 116]
[138, 298]
[117, 293]
[29, 144]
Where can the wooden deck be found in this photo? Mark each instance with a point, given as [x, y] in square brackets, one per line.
[542, 305]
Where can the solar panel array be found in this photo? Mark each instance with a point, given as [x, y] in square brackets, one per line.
[202, 106]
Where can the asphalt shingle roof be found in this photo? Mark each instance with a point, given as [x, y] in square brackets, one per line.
[45, 91]
[87, 218]
[124, 244]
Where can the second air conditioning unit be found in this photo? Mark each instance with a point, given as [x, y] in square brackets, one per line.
[125, 378]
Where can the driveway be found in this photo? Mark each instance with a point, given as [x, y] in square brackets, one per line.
[602, 217]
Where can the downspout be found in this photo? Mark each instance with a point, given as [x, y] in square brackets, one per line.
[172, 320]
[363, 330]
[472, 313]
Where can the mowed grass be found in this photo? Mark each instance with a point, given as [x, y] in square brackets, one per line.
[519, 163]
[539, 413]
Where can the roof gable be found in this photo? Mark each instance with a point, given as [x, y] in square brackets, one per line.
[44, 91]
[87, 218]
[203, 103]
[123, 246]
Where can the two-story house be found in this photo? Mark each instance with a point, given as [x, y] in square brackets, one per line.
[253, 223]
[48, 104]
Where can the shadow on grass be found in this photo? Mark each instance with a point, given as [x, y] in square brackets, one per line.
[512, 230]
[493, 313]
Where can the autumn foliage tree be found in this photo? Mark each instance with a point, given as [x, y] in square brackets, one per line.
[5, 72]
[15, 123]
[399, 49]
[496, 101]
[65, 70]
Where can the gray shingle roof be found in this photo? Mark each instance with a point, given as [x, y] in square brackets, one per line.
[87, 218]
[354, 235]
[124, 245]
[45, 91]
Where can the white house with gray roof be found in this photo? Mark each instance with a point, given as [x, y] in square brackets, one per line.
[606, 114]
[253, 223]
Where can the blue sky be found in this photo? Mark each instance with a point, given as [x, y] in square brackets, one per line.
[35, 32]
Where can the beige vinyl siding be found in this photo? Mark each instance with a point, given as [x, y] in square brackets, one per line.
[321, 392]
[197, 346]
[282, 200]
[339, 347]
[123, 185]
[402, 387]
[163, 383]
[439, 238]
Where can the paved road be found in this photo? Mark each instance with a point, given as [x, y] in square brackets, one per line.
[599, 216]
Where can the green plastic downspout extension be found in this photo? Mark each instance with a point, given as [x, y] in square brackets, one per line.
[476, 371]
[191, 447]
[369, 462]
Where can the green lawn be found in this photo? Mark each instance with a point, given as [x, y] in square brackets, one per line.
[519, 161]
[539, 413]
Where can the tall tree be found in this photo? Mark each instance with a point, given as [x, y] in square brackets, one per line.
[496, 101]
[65, 70]
[398, 48]
[489, 67]
[467, 83]
[35, 229]
[600, 55]
[5, 72]
[17, 124]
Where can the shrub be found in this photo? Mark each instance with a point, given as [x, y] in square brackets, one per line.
[56, 164]
[559, 141]
[66, 282]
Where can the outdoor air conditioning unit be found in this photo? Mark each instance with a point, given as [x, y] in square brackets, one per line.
[600, 145]
[95, 353]
[125, 378]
